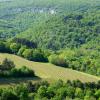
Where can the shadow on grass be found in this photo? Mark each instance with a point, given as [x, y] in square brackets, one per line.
[11, 81]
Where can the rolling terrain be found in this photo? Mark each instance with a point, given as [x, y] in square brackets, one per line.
[49, 49]
[52, 24]
[49, 72]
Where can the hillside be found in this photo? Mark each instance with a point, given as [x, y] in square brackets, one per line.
[65, 30]
[49, 71]
[52, 24]
[49, 49]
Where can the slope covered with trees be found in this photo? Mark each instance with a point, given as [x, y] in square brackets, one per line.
[65, 31]
[59, 90]
[18, 16]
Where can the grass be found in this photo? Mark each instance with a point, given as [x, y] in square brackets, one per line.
[46, 71]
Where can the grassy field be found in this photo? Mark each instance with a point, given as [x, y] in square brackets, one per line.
[47, 71]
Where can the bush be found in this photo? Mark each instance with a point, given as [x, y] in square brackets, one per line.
[28, 54]
[22, 72]
[57, 60]
[7, 69]
[14, 47]
[21, 50]
[7, 64]
[8, 95]
[34, 55]
[39, 56]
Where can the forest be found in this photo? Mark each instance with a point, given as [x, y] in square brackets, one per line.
[57, 91]
[59, 34]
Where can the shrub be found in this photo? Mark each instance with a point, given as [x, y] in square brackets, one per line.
[7, 64]
[57, 60]
[21, 50]
[28, 54]
[22, 72]
[16, 73]
[39, 56]
[8, 95]
[14, 47]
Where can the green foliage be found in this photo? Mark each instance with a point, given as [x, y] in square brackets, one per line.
[39, 56]
[14, 47]
[97, 94]
[81, 59]
[4, 47]
[79, 93]
[54, 25]
[64, 30]
[24, 51]
[85, 59]
[54, 91]
[58, 60]
[28, 54]
[22, 72]
[9, 95]
[42, 91]
[21, 91]
[7, 69]
[7, 64]
[17, 73]
[21, 50]
[51, 24]
[34, 55]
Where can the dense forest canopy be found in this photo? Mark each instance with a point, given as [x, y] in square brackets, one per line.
[59, 90]
[52, 24]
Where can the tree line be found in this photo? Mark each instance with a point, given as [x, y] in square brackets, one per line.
[85, 59]
[70, 90]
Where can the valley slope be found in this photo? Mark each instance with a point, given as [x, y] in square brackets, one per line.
[48, 71]
[52, 24]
